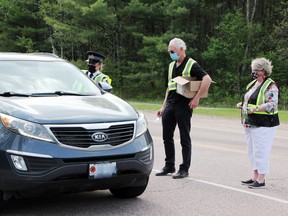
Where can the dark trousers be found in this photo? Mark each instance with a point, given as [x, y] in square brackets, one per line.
[177, 114]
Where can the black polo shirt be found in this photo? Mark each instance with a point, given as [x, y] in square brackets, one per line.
[196, 71]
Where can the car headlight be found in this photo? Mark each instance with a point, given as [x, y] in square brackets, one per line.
[25, 128]
[141, 125]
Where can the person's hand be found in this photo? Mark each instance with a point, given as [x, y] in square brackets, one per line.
[194, 103]
[160, 112]
[250, 110]
[239, 105]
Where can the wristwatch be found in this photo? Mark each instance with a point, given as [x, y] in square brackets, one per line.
[257, 108]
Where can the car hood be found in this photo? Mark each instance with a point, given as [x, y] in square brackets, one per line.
[68, 109]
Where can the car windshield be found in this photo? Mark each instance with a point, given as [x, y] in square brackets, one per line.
[44, 77]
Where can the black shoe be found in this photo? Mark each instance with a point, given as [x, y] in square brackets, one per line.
[250, 181]
[165, 171]
[181, 174]
[256, 184]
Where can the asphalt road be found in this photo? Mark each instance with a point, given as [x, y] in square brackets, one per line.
[219, 163]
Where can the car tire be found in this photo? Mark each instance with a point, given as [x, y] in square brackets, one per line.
[129, 192]
[2, 202]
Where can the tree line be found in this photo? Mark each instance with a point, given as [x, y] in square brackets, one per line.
[222, 35]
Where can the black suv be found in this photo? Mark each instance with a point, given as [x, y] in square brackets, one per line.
[60, 132]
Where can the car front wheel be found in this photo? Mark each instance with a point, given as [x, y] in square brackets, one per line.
[2, 202]
[129, 192]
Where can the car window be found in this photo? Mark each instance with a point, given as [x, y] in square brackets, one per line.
[43, 77]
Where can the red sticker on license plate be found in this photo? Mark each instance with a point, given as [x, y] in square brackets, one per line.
[102, 170]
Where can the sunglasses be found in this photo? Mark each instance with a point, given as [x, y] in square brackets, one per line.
[171, 52]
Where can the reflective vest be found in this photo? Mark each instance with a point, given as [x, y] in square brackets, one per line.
[185, 73]
[261, 96]
[99, 78]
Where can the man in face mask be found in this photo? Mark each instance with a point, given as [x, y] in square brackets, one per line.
[95, 64]
[177, 109]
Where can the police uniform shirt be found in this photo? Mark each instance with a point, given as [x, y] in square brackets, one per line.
[196, 71]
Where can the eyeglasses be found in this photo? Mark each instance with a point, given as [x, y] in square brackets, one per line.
[171, 52]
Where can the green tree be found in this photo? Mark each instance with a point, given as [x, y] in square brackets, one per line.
[223, 36]
[143, 48]
[277, 44]
[225, 53]
[78, 26]
[22, 29]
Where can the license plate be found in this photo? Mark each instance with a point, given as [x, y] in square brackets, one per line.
[102, 170]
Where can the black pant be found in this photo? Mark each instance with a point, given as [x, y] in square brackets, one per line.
[174, 114]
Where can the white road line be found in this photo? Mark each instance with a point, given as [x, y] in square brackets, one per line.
[241, 191]
[236, 189]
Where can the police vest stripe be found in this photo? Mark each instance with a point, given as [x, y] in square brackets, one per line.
[98, 78]
[261, 96]
[185, 73]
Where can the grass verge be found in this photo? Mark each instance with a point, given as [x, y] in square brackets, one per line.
[218, 112]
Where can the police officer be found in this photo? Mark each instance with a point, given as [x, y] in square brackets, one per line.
[95, 64]
[177, 109]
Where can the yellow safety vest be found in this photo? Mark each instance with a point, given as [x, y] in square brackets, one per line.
[100, 77]
[261, 96]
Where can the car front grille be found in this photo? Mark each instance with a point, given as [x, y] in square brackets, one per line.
[81, 136]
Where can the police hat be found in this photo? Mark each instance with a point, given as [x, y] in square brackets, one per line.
[94, 57]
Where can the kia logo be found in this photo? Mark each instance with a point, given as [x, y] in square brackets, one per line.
[99, 137]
